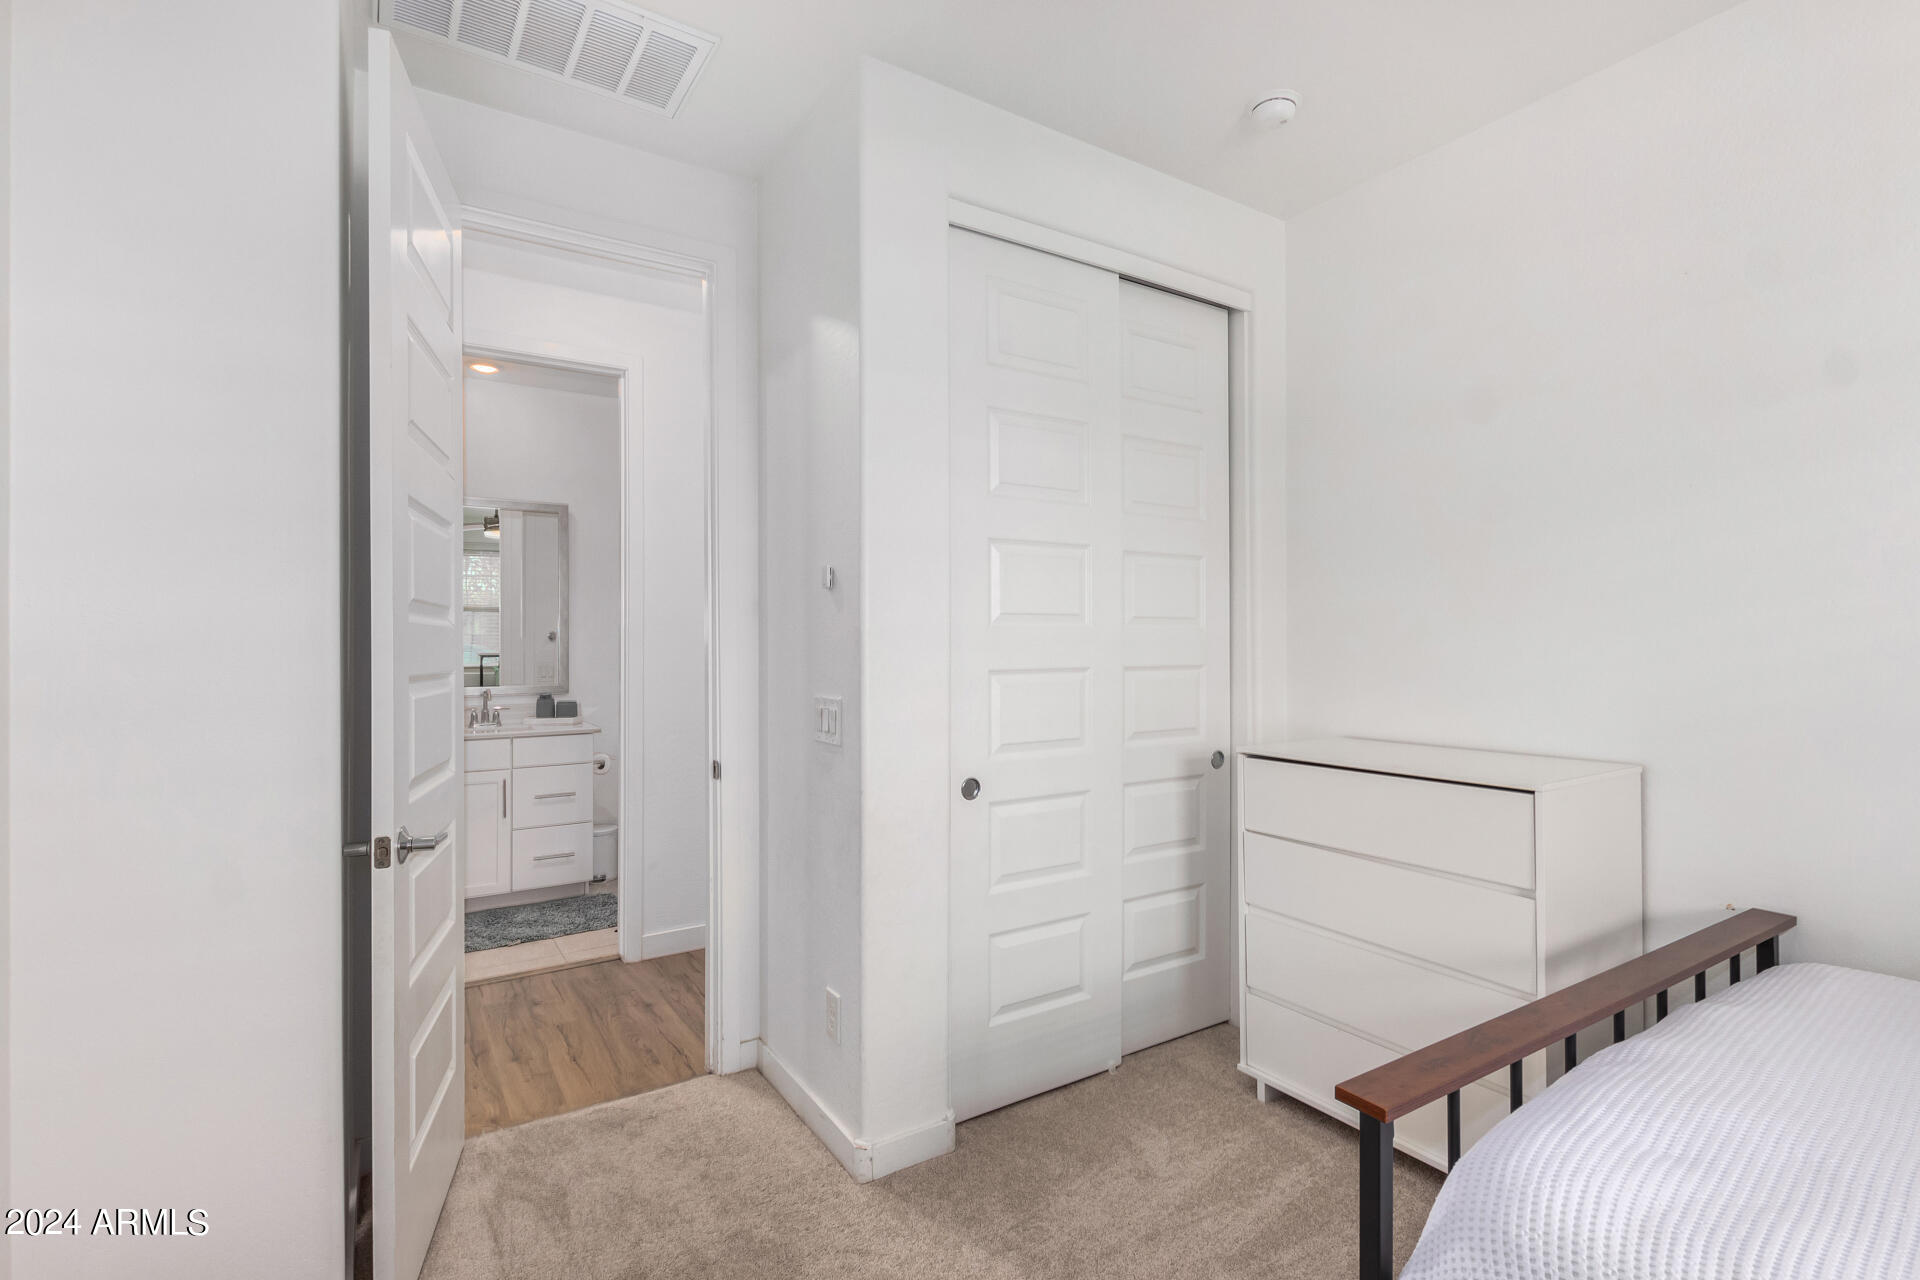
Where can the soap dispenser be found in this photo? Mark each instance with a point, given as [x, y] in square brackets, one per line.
[543, 707]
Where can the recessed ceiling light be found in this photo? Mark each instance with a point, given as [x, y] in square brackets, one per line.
[1276, 110]
[481, 366]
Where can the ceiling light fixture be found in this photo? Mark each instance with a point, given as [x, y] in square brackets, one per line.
[1272, 112]
[481, 366]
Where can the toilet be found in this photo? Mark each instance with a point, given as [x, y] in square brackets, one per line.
[606, 845]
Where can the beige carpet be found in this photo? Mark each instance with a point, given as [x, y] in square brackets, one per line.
[1166, 1168]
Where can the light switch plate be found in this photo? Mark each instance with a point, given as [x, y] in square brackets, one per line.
[826, 721]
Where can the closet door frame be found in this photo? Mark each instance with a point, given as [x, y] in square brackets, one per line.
[1239, 305]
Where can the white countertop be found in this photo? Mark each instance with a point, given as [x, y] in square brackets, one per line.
[531, 728]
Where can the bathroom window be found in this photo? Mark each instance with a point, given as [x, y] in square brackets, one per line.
[480, 602]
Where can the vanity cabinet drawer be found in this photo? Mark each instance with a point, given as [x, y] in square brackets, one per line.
[1483, 832]
[1486, 932]
[561, 748]
[552, 855]
[488, 753]
[553, 795]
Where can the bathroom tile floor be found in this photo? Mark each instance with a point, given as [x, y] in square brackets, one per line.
[543, 956]
[547, 954]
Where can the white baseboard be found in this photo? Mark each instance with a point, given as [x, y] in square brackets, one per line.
[864, 1160]
[740, 1055]
[890, 1155]
[832, 1134]
[671, 942]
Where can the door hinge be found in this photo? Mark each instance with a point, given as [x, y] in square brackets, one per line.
[383, 852]
[356, 849]
[716, 771]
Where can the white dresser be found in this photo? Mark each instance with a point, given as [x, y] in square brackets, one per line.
[529, 813]
[1392, 894]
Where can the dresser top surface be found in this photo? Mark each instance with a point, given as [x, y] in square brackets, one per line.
[1506, 769]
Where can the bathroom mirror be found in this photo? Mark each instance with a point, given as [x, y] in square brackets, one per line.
[513, 589]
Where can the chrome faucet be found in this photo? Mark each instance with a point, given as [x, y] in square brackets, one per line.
[486, 714]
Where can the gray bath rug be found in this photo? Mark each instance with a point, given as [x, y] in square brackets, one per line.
[555, 918]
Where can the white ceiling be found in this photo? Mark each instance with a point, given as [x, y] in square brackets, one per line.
[1163, 83]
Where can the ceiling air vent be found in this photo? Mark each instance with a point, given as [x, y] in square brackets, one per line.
[637, 56]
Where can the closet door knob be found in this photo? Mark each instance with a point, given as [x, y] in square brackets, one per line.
[970, 788]
[1219, 758]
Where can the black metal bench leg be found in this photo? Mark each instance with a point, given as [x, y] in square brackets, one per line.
[1453, 1130]
[1733, 969]
[1660, 1009]
[1376, 1199]
[1766, 955]
[1699, 987]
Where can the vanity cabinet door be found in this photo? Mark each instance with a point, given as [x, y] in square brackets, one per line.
[489, 833]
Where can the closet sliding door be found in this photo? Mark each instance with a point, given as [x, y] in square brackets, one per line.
[1089, 676]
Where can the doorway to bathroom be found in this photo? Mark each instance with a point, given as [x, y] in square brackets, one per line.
[585, 631]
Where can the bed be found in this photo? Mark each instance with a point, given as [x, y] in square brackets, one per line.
[1771, 1131]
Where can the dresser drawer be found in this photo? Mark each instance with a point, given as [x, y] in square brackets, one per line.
[1482, 832]
[552, 795]
[552, 855]
[561, 748]
[1376, 994]
[1482, 931]
[1307, 1058]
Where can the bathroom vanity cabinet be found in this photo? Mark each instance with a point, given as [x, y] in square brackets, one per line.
[529, 808]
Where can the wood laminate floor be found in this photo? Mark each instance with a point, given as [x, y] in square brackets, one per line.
[554, 1042]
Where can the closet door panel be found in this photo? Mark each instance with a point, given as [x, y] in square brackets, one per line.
[1034, 988]
[1175, 664]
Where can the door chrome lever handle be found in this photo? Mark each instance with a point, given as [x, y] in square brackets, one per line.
[404, 845]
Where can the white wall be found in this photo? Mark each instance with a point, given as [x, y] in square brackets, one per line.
[1602, 441]
[6, 386]
[537, 302]
[513, 165]
[855, 249]
[810, 351]
[175, 699]
[542, 444]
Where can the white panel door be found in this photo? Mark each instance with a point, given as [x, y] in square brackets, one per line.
[414, 497]
[1172, 424]
[1034, 989]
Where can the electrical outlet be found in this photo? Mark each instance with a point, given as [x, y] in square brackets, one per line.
[833, 1015]
[826, 721]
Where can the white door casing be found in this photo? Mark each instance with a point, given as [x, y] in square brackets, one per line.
[1175, 844]
[1089, 670]
[415, 473]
